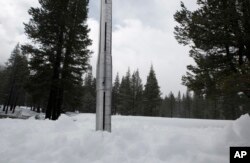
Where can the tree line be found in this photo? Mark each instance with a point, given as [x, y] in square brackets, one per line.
[129, 95]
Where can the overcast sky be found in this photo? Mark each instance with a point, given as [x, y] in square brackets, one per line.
[142, 35]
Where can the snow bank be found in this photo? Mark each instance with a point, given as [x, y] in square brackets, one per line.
[133, 140]
[242, 129]
[237, 133]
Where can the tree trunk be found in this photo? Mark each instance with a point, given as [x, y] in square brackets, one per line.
[51, 112]
[38, 109]
[4, 107]
[12, 102]
[14, 108]
[9, 98]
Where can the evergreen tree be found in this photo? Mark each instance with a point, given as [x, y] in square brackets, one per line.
[219, 34]
[183, 111]
[172, 104]
[178, 105]
[16, 75]
[126, 95]
[3, 81]
[116, 96]
[152, 95]
[198, 106]
[137, 94]
[188, 105]
[168, 106]
[164, 107]
[59, 28]
[89, 97]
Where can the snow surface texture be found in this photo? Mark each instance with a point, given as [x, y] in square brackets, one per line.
[133, 140]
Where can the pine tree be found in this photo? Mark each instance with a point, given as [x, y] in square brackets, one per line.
[183, 111]
[172, 104]
[126, 95]
[152, 95]
[89, 97]
[164, 107]
[137, 94]
[188, 105]
[16, 73]
[178, 105]
[219, 34]
[1, 86]
[3, 81]
[116, 96]
[59, 28]
[198, 107]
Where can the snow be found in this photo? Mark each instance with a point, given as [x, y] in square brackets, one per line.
[21, 112]
[73, 139]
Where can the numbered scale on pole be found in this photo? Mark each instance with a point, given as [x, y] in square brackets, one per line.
[104, 69]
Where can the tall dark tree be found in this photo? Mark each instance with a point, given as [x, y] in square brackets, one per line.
[126, 95]
[152, 95]
[168, 106]
[59, 31]
[164, 107]
[16, 75]
[178, 105]
[89, 91]
[116, 96]
[198, 106]
[172, 104]
[219, 34]
[137, 94]
[187, 105]
[3, 81]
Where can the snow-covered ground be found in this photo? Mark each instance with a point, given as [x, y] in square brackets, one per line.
[21, 112]
[133, 140]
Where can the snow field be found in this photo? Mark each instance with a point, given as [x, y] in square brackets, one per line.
[133, 140]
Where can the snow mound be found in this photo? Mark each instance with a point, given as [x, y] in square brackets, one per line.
[239, 131]
[65, 123]
[242, 127]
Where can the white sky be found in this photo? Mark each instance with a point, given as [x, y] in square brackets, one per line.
[142, 35]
